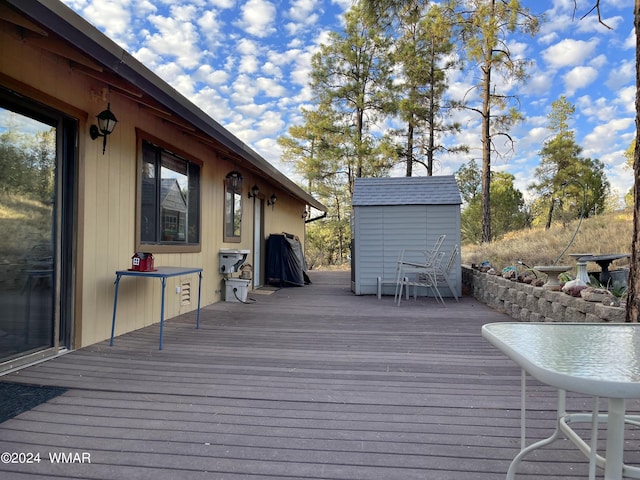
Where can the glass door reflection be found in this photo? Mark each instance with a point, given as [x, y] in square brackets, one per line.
[28, 246]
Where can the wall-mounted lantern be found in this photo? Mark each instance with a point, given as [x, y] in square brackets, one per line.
[234, 181]
[305, 214]
[106, 123]
[272, 200]
[253, 193]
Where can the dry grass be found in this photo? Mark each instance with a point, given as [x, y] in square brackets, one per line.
[609, 233]
[24, 222]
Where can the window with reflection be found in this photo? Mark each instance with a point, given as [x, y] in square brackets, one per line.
[170, 198]
[232, 207]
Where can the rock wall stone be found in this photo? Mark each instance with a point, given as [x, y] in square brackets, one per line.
[526, 303]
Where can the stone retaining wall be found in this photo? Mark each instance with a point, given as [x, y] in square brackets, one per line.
[526, 303]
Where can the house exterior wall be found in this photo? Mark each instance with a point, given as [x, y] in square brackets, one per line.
[106, 202]
[380, 232]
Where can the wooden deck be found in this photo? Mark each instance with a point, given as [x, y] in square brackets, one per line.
[306, 383]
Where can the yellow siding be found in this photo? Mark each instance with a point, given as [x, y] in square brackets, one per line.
[107, 198]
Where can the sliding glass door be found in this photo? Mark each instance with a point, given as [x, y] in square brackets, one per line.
[36, 156]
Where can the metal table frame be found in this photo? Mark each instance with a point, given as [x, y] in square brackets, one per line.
[162, 273]
[567, 357]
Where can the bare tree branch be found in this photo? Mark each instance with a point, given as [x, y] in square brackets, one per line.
[595, 7]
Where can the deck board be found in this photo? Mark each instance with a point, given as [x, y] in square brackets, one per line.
[308, 383]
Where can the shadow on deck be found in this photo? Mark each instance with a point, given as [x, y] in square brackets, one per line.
[308, 383]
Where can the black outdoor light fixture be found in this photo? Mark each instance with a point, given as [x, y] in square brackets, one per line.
[272, 200]
[106, 123]
[305, 214]
[253, 193]
[234, 180]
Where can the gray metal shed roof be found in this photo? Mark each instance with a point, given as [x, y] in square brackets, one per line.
[67, 24]
[438, 190]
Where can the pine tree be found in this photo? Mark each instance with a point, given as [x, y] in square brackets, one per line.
[424, 54]
[351, 76]
[486, 25]
[578, 185]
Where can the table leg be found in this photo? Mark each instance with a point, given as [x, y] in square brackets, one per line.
[605, 275]
[511, 473]
[199, 290]
[164, 284]
[593, 452]
[27, 314]
[115, 306]
[523, 409]
[615, 439]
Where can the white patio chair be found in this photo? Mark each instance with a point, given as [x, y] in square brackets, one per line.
[410, 260]
[443, 273]
[422, 276]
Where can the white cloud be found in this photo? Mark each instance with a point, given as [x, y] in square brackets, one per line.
[246, 46]
[301, 70]
[536, 137]
[597, 110]
[244, 90]
[569, 52]
[257, 18]
[184, 84]
[270, 124]
[206, 74]
[303, 13]
[630, 41]
[539, 83]
[148, 57]
[598, 62]
[252, 110]
[211, 28]
[621, 75]
[548, 38]
[270, 87]
[268, 68]
[216, 105]
[626, 99]
[248, 64]
[177, 37]
[344, 4]
[579, 77]
[223, 4]
[555, 22]
[169, 72]
[301, 10]
[606, 134]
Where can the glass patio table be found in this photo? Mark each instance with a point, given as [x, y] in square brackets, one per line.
[600, 360]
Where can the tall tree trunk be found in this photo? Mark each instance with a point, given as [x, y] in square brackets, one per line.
[410, 135]
[340, 232]
[550, 215]
[486, 150]
[359, 142]
[486, 133]
[432, 114]
[633, 297]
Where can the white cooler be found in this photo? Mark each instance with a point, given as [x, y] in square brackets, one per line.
[241, 287]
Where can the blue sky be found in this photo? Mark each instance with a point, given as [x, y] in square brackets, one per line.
[246, 64]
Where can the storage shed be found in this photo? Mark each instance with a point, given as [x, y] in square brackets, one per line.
[390, 214]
